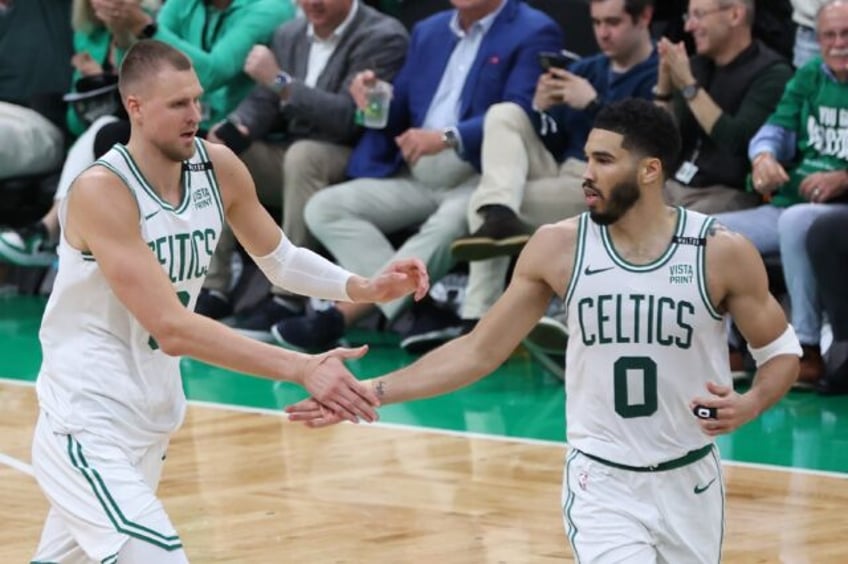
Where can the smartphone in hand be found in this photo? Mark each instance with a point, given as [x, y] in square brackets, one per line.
[557, 59]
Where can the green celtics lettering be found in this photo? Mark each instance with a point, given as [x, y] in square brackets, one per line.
[181, 254]
[635, 318]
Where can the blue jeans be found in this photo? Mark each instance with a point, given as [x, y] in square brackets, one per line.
[775, 230]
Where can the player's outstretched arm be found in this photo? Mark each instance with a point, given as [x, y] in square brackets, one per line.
[297, 269]
[111, 233]
[544, 267]
[737, 275]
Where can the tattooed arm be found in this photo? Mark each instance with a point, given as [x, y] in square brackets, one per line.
[737, 284]
[538, 275]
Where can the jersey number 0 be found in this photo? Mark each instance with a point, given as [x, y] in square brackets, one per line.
[638, 365]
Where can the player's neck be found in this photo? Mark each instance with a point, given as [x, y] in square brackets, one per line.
[647, 220]
[644, 233]
[162, 172]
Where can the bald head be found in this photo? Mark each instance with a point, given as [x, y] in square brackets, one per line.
[144, 60]
[831, 5]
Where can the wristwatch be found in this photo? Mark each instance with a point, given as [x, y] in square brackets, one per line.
[149, 30]
[449, 138]
[594, 106]
[280, 82]
[661, 96]
[690, 90]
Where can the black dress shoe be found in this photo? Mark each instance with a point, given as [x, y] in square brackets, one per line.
[503, 234]
[213, 304]
[828, 387]
[432, 328]
[256, 322]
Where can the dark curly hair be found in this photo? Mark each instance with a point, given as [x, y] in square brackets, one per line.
[635, 8]
[647, 130]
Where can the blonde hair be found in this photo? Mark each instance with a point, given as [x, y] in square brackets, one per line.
[145, 58]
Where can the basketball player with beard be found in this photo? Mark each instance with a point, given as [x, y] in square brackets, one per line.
[138, 231]
[647, 381]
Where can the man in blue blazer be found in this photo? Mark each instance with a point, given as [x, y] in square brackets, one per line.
[421, 168]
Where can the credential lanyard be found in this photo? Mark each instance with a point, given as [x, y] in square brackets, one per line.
[206, 40]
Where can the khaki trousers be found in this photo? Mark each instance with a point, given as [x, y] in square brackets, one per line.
[520, 173]
[352, 219]
[709, 199]
[29, 142]
[287, 176]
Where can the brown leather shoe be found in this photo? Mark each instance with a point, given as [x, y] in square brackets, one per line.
[812, 367]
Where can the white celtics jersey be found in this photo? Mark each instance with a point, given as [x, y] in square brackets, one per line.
[644, 340]
[101, 370]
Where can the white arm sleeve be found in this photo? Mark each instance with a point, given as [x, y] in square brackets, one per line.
[787, 343]
[301, 271]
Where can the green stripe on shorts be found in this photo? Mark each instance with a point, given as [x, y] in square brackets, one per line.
[116, 516]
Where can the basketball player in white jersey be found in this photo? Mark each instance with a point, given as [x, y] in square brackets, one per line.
[647, 373]
[139, 228]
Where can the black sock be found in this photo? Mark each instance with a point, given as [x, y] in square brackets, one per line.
[294, 304]
[493, 212]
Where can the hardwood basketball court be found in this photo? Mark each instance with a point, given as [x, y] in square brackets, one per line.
[470, 478]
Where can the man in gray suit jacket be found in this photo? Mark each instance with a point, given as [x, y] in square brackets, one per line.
[296, 129]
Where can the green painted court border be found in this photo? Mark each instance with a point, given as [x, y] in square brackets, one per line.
[519, 401]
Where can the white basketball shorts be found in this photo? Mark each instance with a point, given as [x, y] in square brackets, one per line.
[100, 496]
[617, 515]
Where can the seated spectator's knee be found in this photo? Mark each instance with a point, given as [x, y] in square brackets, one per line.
[302, 158]
[794, 224]
[506, 115]
[322, 209]
[448, 221]
[819, 240]
[791, 217]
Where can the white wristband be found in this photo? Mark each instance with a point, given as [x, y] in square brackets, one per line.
[787, 343]
[301, 271]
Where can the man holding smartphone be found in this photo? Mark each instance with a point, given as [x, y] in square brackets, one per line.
[532, 164]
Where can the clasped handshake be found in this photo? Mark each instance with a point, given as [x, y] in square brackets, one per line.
[336, 395]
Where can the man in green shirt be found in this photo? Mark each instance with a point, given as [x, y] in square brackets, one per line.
[216, 35]
[800, 158]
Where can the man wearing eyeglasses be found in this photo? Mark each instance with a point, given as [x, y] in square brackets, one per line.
[719, 99]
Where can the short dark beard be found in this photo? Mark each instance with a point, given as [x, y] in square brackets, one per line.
[622, 197]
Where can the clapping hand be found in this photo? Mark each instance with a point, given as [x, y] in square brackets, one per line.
[121, 16]
[675, 61]
[261, 65]
[86, 65]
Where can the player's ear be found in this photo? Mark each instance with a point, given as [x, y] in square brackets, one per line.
[133, 106]
[650, 171]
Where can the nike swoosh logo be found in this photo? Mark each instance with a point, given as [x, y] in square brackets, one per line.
[148, 216]
[700, 490]
[589, 272]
